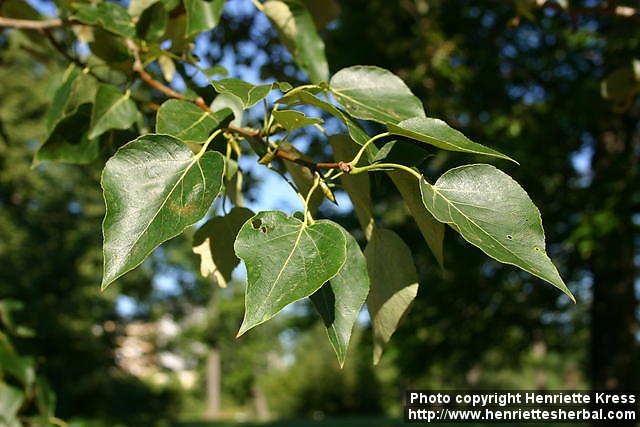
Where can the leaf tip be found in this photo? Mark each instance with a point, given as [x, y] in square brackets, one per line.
[243, 328]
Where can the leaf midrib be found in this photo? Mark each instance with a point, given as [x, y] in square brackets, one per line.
[284, 266]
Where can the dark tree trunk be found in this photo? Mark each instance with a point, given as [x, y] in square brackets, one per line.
[614, 348]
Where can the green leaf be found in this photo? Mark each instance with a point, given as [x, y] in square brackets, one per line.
[112, 110]
[20, 367]
[227, 100]
[110, 16]
[154, 187]
[298, 33]
[441, 135]
[152, 23]
[286, 260]
[292, 120]
[339, 301]
[303, 97]
[10, 402]
[373, 93]
[357, 186]
[491, 211]
[68, 121]
[430, 228]
[214, 243]
[185, 121]
[216, 70]
[394, 285]
[112, 50]
[202, 15]
[249, 94]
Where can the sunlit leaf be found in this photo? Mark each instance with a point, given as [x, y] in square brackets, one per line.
[286, 260]
[185, 121]
[154, 187]
[373, 93]
[439, 134]
[491, 211]
[214, 243]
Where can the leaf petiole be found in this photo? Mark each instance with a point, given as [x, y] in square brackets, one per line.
[358, 156]
[385, 166]
[307, 214]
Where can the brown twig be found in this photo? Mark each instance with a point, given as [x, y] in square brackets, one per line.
[27, 24]
[252, 133]
[138, 67]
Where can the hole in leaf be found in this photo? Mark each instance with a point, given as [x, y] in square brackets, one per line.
[509, 236]
[264, 229]
[537, 249]
[256, 223]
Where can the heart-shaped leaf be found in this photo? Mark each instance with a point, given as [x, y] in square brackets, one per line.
[154, 187]
[373, 93]
[491, 211]
[248, 93]
[286, 260]
[394, 285]
[185, 121]
[112, 110]
[439, 134]
[292, 120]
[298, 33]
[339, 301]
[214, 243]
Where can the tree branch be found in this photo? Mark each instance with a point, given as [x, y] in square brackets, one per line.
[27, 24]
[138, 67]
